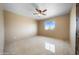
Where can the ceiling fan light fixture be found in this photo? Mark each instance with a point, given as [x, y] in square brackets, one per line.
[39, 12]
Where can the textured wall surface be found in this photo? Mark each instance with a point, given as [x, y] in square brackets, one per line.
[73, 28]
[1, 30]
[61, 30]
[18, 27]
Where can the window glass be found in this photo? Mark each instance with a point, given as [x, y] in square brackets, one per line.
[49, 25]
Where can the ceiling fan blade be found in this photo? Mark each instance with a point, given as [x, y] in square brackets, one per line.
[36, 9]
[44, 10]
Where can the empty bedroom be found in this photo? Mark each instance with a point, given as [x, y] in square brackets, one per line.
[37, 28]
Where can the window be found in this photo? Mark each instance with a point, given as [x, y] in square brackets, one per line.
[49, 25]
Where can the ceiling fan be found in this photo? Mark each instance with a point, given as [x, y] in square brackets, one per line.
[38, 11]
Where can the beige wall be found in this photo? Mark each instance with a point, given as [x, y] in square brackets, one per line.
[1, 30]
[61, 30]
[18, 27]
[73, 27]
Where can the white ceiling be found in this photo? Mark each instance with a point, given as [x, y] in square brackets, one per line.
[27, 9]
